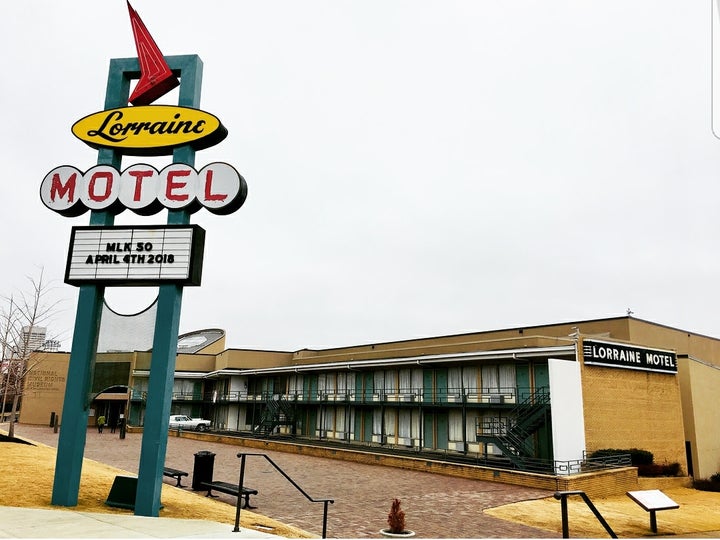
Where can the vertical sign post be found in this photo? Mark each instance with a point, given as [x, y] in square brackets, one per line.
[71, 442]
[167, 323]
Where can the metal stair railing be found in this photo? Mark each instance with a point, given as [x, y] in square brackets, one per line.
[528, 416]
[511, 435]
[243, 456]
[514, 447]
[277, 412]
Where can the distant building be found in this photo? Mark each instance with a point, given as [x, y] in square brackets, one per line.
[51, 345]
[32, 339]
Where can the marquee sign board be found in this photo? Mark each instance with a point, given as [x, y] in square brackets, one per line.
[150, 130]
[619, 355]
[135, 256]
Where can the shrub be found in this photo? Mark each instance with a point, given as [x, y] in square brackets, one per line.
[637, 456]
[396, 518]
[655, 469]
[705, 484]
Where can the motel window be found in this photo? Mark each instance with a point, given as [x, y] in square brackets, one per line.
[295, 385]
[455, 426]
[405, 381]
[470, 379]
[390, 422]
[454, 381]
[322, 384]
[377, 422]
[405, 425]
[391, 382]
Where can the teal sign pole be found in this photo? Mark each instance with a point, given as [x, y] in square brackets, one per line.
[71, 443]
[167, 324]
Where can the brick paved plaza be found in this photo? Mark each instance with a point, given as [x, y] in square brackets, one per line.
[436, 506]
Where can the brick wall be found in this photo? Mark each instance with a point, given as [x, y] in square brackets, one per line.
[596, 484]
[626, 408]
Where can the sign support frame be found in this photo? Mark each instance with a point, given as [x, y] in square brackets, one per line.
[73, 433]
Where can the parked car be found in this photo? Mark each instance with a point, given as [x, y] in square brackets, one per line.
[182, 421]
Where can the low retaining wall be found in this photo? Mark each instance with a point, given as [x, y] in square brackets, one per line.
[596, 484]
[664, 482]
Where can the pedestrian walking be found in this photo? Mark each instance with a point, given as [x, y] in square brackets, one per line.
[101, 423]
[113, 424]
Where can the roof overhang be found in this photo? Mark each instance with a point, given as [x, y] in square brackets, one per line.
[564, 351]
[178, 374]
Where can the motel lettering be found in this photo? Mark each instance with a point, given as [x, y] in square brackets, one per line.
[619, 355]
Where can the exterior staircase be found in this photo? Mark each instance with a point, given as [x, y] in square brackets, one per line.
[513, 435]
[278, 411]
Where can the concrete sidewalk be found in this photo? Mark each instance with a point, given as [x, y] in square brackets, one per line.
[42, 523]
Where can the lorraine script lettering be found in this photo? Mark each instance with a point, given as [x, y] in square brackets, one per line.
[113, 130]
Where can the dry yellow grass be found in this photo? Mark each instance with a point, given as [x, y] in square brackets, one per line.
[28, 472]
[699, 513]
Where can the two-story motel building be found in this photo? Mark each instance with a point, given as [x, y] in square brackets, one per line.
[536, 398]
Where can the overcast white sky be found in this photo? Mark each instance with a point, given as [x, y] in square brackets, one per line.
[415, 168]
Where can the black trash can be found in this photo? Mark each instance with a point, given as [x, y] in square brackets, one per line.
[202, 469]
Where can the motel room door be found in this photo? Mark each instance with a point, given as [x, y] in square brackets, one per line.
[544, 433]
[435, 386]
[363, 424]
[435, 421]
[435, 430]
[363, 413]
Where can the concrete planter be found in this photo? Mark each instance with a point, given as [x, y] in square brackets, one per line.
[404, 534]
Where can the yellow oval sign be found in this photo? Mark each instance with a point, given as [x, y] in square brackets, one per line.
[150, 130]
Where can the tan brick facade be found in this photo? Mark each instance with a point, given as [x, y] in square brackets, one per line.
[625, 408]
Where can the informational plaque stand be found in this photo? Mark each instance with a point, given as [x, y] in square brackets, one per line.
[652, 500]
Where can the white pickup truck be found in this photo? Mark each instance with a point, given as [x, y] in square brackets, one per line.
[181, 421]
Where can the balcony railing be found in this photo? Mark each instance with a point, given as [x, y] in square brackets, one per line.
[439, 396]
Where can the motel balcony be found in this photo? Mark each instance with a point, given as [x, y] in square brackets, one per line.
[446, 397]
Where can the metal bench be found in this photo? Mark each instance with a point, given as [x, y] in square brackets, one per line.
[175, 473]
[230, 489]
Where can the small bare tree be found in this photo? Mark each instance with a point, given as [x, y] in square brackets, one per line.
[23, 334]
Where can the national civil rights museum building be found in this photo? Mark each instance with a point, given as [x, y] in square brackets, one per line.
[537, 398]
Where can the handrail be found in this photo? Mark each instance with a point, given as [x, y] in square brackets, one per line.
[242, 456]
[563, 495]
